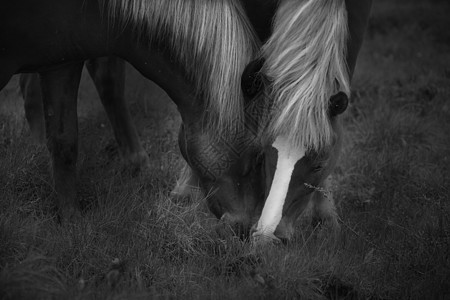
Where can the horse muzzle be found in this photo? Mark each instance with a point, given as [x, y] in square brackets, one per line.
[234, 224]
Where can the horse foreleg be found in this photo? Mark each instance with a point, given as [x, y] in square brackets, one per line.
[109, 77]
[59, 91]
[34, 110]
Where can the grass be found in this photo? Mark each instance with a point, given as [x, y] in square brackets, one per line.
[133, 242]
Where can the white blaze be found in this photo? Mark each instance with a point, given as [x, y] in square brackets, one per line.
[273, 208]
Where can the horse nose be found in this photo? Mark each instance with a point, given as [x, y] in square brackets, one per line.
[283, 233]
[237, 224]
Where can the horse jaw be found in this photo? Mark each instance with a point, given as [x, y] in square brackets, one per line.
[273, 207]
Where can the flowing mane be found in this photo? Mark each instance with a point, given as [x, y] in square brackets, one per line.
[305, 62]
[212, 41]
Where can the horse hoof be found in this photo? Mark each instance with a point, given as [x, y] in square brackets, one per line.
[138, 162]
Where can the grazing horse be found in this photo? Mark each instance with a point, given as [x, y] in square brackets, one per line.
[259, 100]
[308, 61]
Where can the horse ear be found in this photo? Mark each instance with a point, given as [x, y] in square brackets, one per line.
[251, 80]
[338, 104]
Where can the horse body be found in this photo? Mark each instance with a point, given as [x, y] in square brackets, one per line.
[56, 41]
[196, 51]
[41, 37]
[54, 38]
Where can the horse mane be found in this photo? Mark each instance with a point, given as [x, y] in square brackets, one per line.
[305, 63]
[212, 41]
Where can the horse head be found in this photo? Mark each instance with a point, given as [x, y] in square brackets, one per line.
[291, 176]
[228, 168]
[228, 165]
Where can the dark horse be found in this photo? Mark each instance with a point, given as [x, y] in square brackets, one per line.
[259, 86]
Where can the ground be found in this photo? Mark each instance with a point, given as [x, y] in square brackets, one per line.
[133, 242]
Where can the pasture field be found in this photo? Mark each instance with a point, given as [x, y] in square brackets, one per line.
[134, 242]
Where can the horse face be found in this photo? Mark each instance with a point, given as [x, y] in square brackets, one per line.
[229, 167]
[228, 171]
[293, 178]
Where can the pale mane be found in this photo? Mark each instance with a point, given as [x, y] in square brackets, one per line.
[212, 40]
[305, 62]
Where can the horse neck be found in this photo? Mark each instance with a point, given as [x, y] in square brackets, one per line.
[154, 65]
[209, 43]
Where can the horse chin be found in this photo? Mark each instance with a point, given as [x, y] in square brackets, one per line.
[234, 224]
[234, 211]
[285, 230]
[294, 209]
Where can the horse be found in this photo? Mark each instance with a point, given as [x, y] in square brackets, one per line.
[239, 73]
[308, 60]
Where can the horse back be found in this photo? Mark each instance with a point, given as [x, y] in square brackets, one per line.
[35, 35]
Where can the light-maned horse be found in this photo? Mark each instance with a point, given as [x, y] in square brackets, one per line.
[259, 86]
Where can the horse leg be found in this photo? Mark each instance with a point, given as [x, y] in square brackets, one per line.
[108, 74]
[324, 209]
[59, 91]
[34, 110]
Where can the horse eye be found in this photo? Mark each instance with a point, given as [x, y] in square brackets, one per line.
[338, 104]
[251, 80]
[252, 86]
